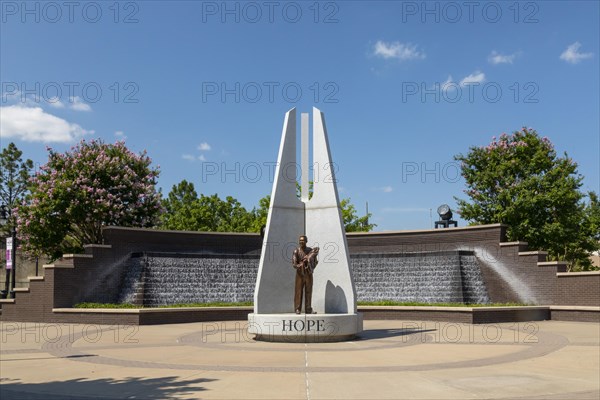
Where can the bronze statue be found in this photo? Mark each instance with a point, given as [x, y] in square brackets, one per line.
[304, 260]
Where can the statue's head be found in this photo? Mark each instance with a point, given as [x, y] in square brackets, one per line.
[302, 240]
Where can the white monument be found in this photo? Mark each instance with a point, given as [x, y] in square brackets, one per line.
[320, 219]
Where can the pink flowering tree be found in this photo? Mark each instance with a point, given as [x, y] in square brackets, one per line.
[519, 180]
[77, 193]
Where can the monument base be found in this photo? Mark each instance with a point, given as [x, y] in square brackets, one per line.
[305, 328]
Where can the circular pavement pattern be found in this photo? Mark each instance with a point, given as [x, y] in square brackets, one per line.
[527, 342]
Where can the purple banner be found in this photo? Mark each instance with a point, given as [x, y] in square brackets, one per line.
[8, 259]
[9, 248]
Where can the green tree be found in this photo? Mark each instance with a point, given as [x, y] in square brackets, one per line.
[520, 181]
[184, 210]
[352, 222]
[14, 175]
[593, 212]
[261, 213]
[77, 193]
[590, 228]
[224, 215]
[179, 213]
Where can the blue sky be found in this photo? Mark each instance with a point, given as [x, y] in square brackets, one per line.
[204, 86]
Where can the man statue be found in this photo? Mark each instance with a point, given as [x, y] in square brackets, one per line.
[304, 261]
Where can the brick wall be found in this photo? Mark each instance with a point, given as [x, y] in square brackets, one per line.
[25, 267]
[510, 273]
[509, 276]
[127, 240]
[578, 289]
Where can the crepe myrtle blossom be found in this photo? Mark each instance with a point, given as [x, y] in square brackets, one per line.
[520, 180]
[76, 193]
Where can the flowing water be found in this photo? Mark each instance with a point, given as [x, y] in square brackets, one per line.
[166, 278]
[436, 277]
[191, 278]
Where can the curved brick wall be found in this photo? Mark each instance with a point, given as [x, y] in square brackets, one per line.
[510, 272]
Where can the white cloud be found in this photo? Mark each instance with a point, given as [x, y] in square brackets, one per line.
[55, 103]
[188, 157]
[449, 85]
[10, 97]
[387, 189]
[78, 105]
[397, 50]
[497, 58]
[31, 100]
[32, 124]
[475, 77]
[20, 98]
[572, 54]
[448, 81]
[120, 135]
[191, 158]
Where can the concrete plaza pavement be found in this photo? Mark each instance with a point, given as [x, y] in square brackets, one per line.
[219, 360]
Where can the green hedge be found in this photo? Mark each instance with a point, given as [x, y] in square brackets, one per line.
[127, 305]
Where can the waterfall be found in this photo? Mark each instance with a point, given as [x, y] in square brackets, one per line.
[429, 277]
[193, 278]
[474, 290]
[132, 279]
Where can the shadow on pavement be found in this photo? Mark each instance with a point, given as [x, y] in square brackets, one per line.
[388, 333]
[168, 387]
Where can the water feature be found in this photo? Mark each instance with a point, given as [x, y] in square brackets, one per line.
[428, 277]
[190, 278]
[168, 278]
[132, 280]
[474, 290]
[521, 288]
[106, 278]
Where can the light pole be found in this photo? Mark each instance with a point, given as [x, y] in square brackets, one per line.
[4, 218]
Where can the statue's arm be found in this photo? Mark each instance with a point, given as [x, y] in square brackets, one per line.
[313, 257]
[295, 262]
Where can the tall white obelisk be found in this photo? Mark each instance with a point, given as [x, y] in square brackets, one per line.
[320, 219]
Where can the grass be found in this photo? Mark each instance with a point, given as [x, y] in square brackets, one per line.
[214, 304]
[104, 305]
[127, 305]
[249, 303]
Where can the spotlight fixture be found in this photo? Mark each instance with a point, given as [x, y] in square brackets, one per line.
[445, 214]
